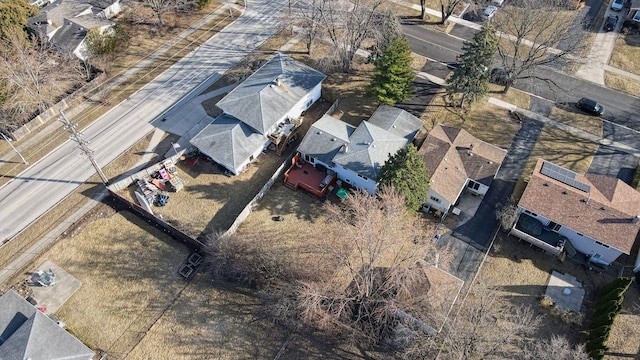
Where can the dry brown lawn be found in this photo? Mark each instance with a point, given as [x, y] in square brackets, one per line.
[485, 121]
[624, 339]
[561, 148]
[521, 272]
[128, 272]
[576, 119]
[210, 201]
[513, 96]
[626, 53]
[211, 321]
[622, 83]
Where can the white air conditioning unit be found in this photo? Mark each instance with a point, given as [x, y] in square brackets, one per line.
[455, 211]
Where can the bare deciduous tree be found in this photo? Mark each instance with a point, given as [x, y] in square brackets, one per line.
[554, 348]
[34, 75]
[537, 33]
[486, 327]
[507, 215]
[348, 24]
[380, 253]
[160, 7]
[447, 7]
[307, 17]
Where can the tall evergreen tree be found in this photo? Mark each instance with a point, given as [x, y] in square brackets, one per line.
[393, 78]
[13, 17]
[471, 78]
[407, 173]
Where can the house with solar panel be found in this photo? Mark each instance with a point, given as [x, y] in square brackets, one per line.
[333, 150]
[592, 216]
[264, 110]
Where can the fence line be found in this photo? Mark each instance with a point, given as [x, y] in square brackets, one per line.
[244, 214]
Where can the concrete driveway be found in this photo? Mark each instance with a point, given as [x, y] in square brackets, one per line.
[601, 49]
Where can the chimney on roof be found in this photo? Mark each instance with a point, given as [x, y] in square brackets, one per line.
[471, 147]
[345, 148]
[635, 219]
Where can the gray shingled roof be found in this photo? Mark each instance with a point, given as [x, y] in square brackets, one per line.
[370, 146]
[228, 140]
[325, 137]
[26, 333]
[396, 121]
[260, 103]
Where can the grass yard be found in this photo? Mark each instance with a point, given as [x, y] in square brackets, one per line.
[210, 201]
[626, 53]
[622, 83]
[575, 118]
[487, 122]
[128, 272]
[624, 339]
[561, 148]
[513, 96]
[211, 321]
[529, 270]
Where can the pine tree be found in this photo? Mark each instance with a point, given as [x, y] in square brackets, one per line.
[407, 173]
[393, 78]
[471, 78]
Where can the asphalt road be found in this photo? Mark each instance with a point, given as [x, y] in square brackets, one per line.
[621, 108]
[48, 181]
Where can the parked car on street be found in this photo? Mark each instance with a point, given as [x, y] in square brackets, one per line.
[617, 5]
[610, 23]
[590, 106]
[489, 12]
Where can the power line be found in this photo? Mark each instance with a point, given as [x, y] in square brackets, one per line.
[82, 144]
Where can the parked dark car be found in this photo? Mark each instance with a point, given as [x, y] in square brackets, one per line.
[610, 23]
[590, 106]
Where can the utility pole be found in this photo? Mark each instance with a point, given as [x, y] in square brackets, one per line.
[82, 144]
[24, 161]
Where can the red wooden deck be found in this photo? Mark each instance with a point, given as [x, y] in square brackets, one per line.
[303, 175]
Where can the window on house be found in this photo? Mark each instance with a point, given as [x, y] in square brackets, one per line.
[579, 234]
[473, 185]
[434, 199]
[601, 244]
[364, 177]
[251, 158]
[554, 226]
[530, 213]
[308, 158]
[309, 103]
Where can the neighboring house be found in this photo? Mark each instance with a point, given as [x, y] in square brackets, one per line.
[27, 333]
[65, 22]
[591, 214]
[264, 108]
[356, 154]
[457, 161]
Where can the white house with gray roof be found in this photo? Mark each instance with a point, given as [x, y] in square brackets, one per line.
[356, 154]
[27, 333]
[262, 105]
[65, 23]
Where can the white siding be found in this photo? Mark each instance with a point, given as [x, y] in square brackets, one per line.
[354, 180]
[439, 204]
[581, 243]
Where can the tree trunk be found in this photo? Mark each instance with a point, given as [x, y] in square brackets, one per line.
[423, 7]
[507, 86]
[443, 18]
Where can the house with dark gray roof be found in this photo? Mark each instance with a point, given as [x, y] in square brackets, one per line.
[457, 161]
[590, 214]
[264, 107]
[357, 154]
[27, 333]
[65, 23]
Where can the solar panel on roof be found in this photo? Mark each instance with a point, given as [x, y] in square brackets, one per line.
[563, 175]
